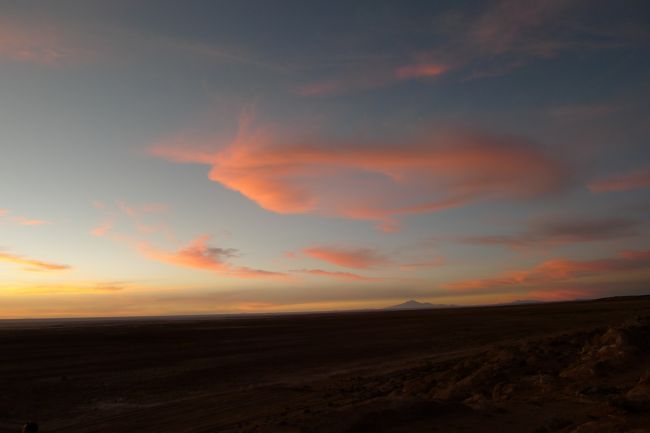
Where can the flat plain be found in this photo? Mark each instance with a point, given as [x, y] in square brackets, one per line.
[558, 367]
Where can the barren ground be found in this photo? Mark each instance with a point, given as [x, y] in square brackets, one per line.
[579, 367]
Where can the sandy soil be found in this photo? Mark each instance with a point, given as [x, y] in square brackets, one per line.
[580, 367]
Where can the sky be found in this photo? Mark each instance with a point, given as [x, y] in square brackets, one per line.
[165, 157]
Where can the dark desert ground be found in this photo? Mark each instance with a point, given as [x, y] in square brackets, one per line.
[557, 367]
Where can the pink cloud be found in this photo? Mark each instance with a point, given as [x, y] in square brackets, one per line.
[31, 264]
[36, 43]
[23, 221]
[361, 258]
[636, 179]
[349, 276]
[517, 26]
[420, 70]
[370, 77]
[357, 258]
[319, 88]
[556, 272]
[199, 255]
[494, 39]
[135, 213]
[102, 229]
[437, 262]
[377, 181]
[561, 232]
[146, 208]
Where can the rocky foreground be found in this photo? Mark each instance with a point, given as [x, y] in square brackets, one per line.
[595, 381]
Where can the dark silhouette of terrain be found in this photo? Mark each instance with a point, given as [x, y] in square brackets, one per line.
[415, 305]
[574, 367]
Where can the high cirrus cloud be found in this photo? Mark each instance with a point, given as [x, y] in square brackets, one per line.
[487, 39]
[376, 76]
[371, 181]
[29, 264]
[635, 179]
[199, 255]
[26, 42]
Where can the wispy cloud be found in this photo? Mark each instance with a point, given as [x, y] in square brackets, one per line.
[372, 181]
[142, 209]
[364, 258]
[636, 179]
[356, 258]
[40, 44]
[135, 213]
[29, 264]
[420, 70]
[199, 255]
[348, 276]
[103, 228]
[22, 220]
[372, 77]
[560, 232]
[437, 262]
[556, 274]
[492, 39]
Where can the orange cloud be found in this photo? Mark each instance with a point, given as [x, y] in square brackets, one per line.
[420, 70]
[557, 271]
[361, 258]
[622, 182]
[357, 258]
[102, 228]
[23, 221]
[199, 255]
[376, 181]
[338, 275]
[31, 264]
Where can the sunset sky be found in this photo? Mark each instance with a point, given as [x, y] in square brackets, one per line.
[166, 157]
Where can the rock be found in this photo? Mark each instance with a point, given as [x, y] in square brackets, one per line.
[639, 395]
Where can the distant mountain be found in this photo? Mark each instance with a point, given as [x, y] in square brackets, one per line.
[524, 302]
[415, 305]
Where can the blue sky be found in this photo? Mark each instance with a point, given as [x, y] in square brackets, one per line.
[167, 158]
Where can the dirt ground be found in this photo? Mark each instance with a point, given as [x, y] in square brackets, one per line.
[575, 367]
